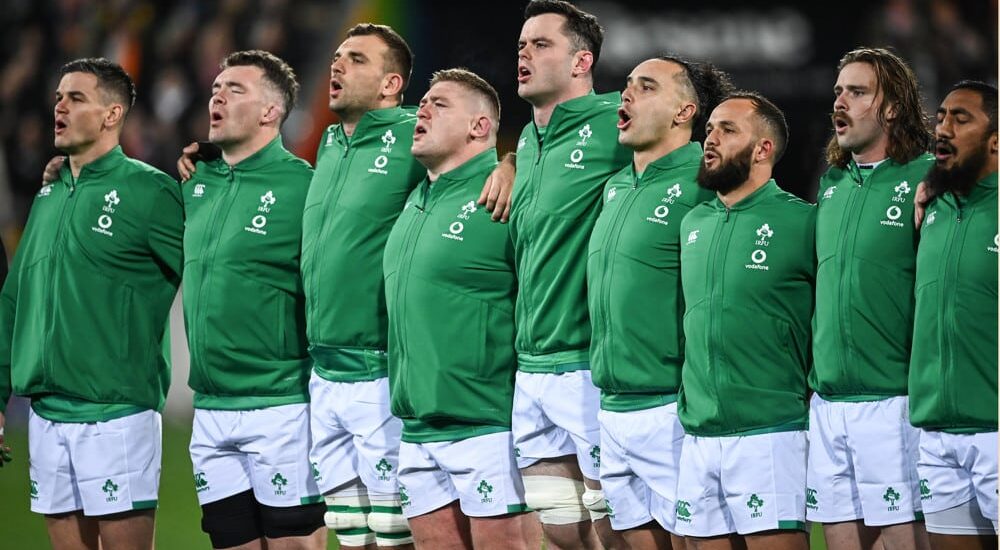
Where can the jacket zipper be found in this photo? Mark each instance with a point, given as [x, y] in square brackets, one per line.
[413, 230]
[845, 259]
[326, 208]
[610, 248]
[947, 321]
[58, 251]
[719, 246]
[214, 236]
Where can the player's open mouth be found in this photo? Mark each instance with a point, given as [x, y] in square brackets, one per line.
[710, 156]
[335, 88]
[943, 151]
[841, 123]
[60, 126]
[419, 130]
[523, 74]
[624, 120]
[216, 118]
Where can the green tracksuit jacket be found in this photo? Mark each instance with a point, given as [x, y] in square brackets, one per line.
[748, 279]
[953, 369]
[358, 190]
[243, 301]
[450, 289]
[557, 197]
[84, 309]
[634, 281]
[866, 248]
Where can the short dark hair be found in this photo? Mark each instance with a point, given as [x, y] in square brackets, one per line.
[276, 72]
[705, 84]
[581, 27]
[909, 133]
[987, 92]
[399, 58]
[470, 81]
[112, 80]
[772, 117]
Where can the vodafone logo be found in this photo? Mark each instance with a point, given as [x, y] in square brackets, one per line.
[758, 256]
[104, 221]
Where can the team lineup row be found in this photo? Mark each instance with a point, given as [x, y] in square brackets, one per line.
[661, 349]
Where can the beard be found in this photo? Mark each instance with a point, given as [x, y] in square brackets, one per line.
[961, 177]
[729, 175]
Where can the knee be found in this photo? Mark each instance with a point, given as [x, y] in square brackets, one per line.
[558, 500]
[292, 521]
[387, 521]
[347, 515]
[232, 521]
[593, 500]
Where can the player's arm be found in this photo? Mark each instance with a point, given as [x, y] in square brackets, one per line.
[51, 172]
[8, 306]
[497, 190]
[921, 199]
[166, 229]
[198, 150]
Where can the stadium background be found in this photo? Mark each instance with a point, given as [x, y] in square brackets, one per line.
[786, 49]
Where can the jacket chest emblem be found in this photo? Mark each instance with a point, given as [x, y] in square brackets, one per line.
[382, 160]
[259, 221]
[105, 220]
[662, 210]
[894, 212]
[576, 155]
[758, 257]
[457, 227]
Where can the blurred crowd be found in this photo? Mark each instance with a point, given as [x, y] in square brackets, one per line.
[172, 50]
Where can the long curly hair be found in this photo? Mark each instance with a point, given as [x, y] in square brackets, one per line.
[909, 132]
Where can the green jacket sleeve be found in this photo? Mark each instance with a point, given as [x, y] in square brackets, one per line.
[8, 307]
[166, 229]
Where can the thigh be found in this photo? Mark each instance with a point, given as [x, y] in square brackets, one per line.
[332, 454]
[983, 467]
[655, 451]
[51, 478]
[947, 483]
[764, 481]
[831, 488]
[627, 496]
[701, 509]
[276, 441]
[117, 463]
[376, 435]
[220, 469]
[885, 448]
[536, 437]
[444, 528]
[484, 473]
[572, 402]
[423, 485]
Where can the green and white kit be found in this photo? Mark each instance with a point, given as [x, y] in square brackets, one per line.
[107, 241]
[747, 272]
[637, 347]
[244, 308]
[953, 369]
[358, 190]
[862, 448]
[561, 172]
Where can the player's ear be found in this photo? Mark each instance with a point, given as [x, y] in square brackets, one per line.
[583, 62]
[392, 85]
[114, 116]
[271, 115]
[993, 143]
[481, 127]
